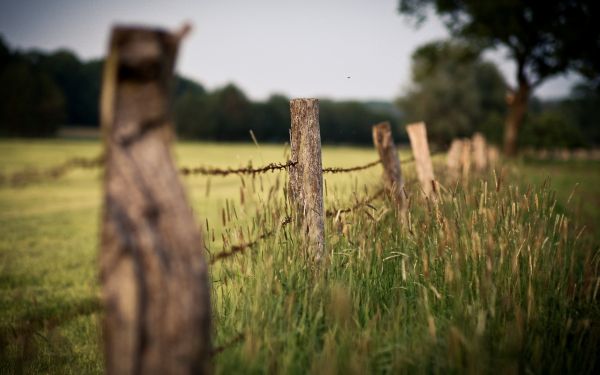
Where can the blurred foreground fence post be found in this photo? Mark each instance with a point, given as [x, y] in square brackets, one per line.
[392, 173]
[417, 134]
[154, 277]
[306, 176]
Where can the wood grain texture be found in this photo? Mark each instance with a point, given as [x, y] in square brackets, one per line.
[153, 274]
[306, 176]
[392, 172]
[417, 134]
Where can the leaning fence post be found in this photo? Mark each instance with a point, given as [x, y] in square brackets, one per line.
[306, 176]
[154, 279]
[417, 134]
[392, 173]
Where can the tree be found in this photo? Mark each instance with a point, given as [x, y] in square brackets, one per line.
[454, 92]
[31, 104]
[543, 38]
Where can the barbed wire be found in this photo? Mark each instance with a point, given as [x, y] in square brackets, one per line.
[212, 171]
[27, 176]
[351, 169]
[221, 348]
[31, 175]
[365, 202]
[234, 249]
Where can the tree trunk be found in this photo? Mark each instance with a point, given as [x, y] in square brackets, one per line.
[517, 107]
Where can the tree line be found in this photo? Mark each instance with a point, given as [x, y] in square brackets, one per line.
[43, 91]
[454, 90]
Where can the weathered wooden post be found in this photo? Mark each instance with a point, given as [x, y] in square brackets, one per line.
[453, 159]
[465, 158]
[154, 277]
[417, 134]
[392, 173]
[479, 152]
[306, 176]
[493, 155]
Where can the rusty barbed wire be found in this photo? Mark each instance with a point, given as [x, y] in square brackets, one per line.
[365, 202]
[234, 249]
[351, 169]
[221, 348]
[212, 171]
[31, 175]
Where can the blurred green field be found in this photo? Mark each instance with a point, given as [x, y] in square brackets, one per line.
[49, 313]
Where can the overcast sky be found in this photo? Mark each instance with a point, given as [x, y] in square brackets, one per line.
[298, 48]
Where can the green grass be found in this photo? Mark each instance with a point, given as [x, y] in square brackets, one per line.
[480, 281]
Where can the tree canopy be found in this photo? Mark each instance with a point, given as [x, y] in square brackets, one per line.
[454, 92]
[543, 38]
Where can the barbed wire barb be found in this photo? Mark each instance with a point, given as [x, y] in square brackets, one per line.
[234, 249]
[213, 171]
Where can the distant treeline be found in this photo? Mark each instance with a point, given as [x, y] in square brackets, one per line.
[43, 91]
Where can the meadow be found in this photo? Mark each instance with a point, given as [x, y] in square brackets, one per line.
[498, 274]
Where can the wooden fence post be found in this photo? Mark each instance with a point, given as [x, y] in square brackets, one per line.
[392, 173]
[493, 155]
[417, 134]
[306, 176]
[153, 274]
[479, 152]
[465, 158]
[453, 159]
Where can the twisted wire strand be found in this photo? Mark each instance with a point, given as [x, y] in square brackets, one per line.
[334, 212]
[351, 169]
[211, 171]
[28, 176]
[230, 343]
[234, 249]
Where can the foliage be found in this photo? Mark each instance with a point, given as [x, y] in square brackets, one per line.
[454, 92]
[67, 90]
[550, 130]
[542, 38]
[30, 102]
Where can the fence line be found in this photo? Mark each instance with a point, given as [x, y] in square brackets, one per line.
[28, 176]
[210, 171]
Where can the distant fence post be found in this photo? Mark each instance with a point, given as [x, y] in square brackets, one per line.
[306, 176]
[154, 278]
[480, 156]
[392, 173]
[453, 158]
[465, 158]
[417, 134]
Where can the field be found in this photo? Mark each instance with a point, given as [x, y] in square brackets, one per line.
[490, 278]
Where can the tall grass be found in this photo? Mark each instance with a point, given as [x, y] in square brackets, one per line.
[481, 279]
[488, 277]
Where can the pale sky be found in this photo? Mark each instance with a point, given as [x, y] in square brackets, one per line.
[299, 48]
